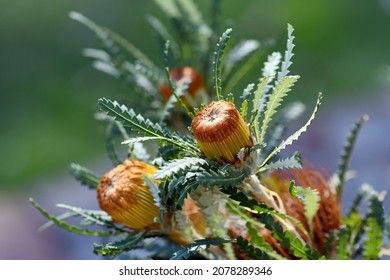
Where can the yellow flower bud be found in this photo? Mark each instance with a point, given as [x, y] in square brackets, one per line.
[221, 132]
[123, 194]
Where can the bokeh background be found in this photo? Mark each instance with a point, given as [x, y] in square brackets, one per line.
[49, 92]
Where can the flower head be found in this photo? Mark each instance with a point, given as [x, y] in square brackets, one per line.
[328, 216]
[123, 194]
[221, 132]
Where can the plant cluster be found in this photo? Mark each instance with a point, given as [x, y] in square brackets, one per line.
[203, 176]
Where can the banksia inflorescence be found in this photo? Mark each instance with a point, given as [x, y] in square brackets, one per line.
[221, 132]
[221, 189]
[123, 194]
[324, 221]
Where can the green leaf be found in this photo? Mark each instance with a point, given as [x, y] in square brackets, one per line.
[279, 126]
[375, 226]
[288, 53]
[342, 244]
[280, 91]
[67, 226]
[269, 70]
[190, 250]
[221, 178]
[218, 61]
[174, 166]
[257, 104]
[330, 239]
[256, 252]
[131, 242]
[84, 175]
[311, 201]
[347, 152]
[260, 243]
[141, 139]
[145, 126]
[294, 136]
[294, 161]
[260, 208]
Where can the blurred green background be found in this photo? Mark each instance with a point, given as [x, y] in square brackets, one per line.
[48, 91]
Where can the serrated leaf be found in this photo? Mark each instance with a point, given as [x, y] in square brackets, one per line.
[67, 226]
[202, 244]
[220, 178]
[342, 244]
[288, 53]
[84, 175]
[278, 127]
[133, 241]
[257, 105]
[259, 243]
[294, 161]
[145, 126]
[260, 208]
[218, 61]
[174, 166]
[294, 136]
[141, 139]
[374, 229]
[347, 152]
[280, 91]
[272, 64]
[311, 201]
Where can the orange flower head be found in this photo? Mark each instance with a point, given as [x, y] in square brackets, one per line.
[328, 216]
[221, 132]
[123, 194]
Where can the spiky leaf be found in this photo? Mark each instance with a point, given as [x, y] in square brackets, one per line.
[174, 166]
[84, 175]
[288, 53]
[375, 225]
[192, 249]
[259, 242]
[144, 126]
[131, 242]
[311, 201]
[67, 226]
[218, 61]
[294, 161]
[294, 136]
[347, 152]
[280, 91]
[342, 244]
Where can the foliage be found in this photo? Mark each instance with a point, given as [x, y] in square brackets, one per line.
[211, 208]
